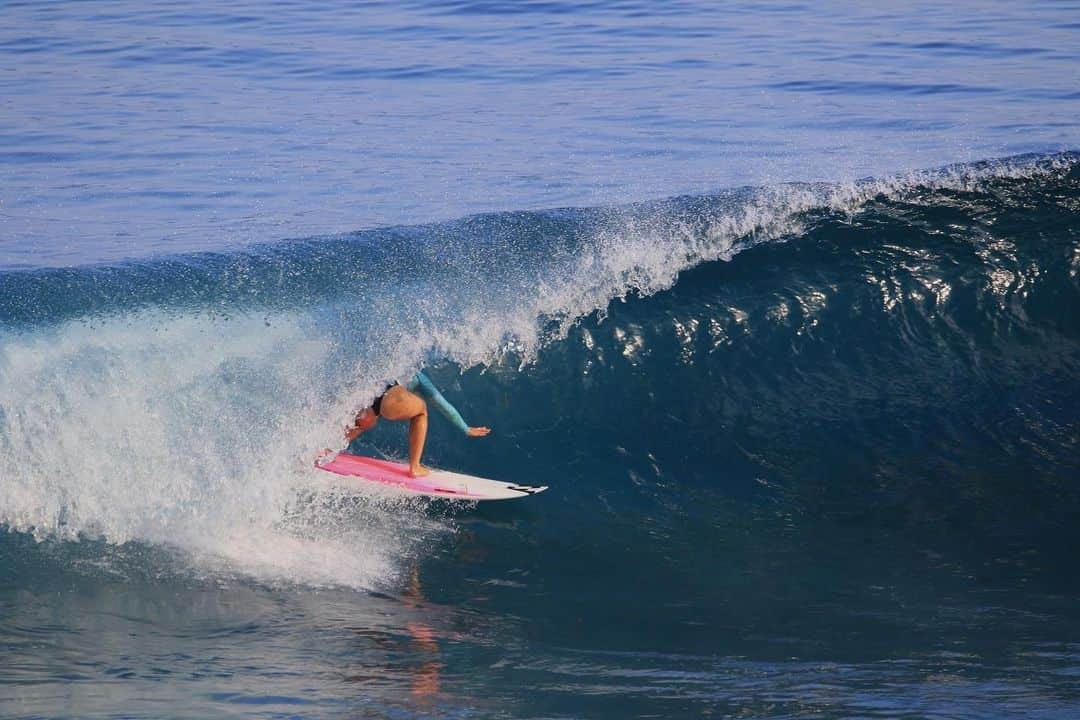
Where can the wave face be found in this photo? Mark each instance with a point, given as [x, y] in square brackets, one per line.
[752, 407]
[909, 361]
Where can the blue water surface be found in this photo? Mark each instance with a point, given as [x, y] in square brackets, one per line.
[131, 128]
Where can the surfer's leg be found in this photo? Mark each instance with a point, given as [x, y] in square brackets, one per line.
[417, 435]
[400, 404]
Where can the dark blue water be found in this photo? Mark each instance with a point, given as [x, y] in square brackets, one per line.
[812, 440]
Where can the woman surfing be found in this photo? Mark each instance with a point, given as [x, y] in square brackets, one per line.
[409, 402]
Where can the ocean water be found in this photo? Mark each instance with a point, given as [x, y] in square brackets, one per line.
[782, 301]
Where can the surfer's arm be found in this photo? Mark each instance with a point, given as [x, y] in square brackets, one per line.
[421, 385]
[364, 421]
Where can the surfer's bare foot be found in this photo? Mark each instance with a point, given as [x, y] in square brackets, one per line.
[418, 471]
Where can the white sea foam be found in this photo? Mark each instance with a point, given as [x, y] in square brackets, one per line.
[184, 431]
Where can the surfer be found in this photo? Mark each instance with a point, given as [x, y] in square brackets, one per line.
[407, 402]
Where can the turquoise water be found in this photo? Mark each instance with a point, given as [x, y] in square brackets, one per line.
[780, 301]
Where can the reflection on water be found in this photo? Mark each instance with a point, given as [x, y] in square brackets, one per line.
[85, 643]
[426, 682]
[209, 644]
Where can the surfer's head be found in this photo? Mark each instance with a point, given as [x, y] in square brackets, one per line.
[366, 419]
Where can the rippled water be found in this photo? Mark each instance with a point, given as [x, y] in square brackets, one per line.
[128, 129]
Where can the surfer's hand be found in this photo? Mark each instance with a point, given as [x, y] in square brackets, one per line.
[478, 431]
[365, 420]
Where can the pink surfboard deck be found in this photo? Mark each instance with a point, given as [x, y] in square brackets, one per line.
[440, 483]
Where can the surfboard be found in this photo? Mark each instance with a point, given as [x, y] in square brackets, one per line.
[440, 483]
